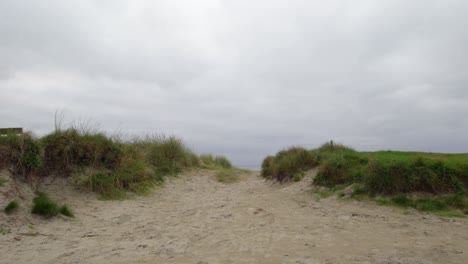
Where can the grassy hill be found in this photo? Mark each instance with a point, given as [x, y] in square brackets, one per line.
[442, 177]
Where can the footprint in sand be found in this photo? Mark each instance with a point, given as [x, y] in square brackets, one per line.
[262, 214]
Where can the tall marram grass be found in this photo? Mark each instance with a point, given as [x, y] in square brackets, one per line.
[377, 173]
[209, 161]
[104, 164]
[70, 149]
[411, 175]
[22, 153]
[288, 163]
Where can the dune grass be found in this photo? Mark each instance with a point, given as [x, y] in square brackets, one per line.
[209, 161]
[396, 174]
[442, 205]
[107, 165]
[11, 207]
[22, 153]
[288, 164]
[42, 205]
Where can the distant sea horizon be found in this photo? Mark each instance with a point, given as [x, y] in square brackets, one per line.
[254, 167]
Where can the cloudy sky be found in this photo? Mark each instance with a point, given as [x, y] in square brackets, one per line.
[242, 78]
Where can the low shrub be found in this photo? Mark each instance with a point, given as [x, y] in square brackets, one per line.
[64, 151]
[66, 211]
[417, 175]
[222, 162]
[106, 165]
[267, 167]
[207, 161]
[287, 163]
[340, 166]
[22, 153]
[168, 155]
[11, 207]
[42, 205]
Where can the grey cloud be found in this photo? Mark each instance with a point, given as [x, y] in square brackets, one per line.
[242, 78]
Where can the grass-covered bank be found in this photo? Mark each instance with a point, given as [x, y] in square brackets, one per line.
[107, 165]
[383, 173]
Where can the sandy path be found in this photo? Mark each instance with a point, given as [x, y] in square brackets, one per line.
[194, 219]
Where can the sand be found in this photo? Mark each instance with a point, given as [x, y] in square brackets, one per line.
[195, 219]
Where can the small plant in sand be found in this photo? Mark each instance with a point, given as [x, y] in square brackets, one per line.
[42, 205]
[11, 207]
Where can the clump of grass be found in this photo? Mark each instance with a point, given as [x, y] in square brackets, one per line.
[383, 172]
[11, 207]
[435, 204]
[288, 163]
[412, 175]
[402, 200]
[450, 214]
[168, 155]
[104, 184]
[209, 161]
[389, 173]
[230, 175]
[42, 205]
[105, 164]
[66, 211]
[22, 153]
[222, 162]
[4, 231]
[339, 165]
[431, 205]
[67, 150]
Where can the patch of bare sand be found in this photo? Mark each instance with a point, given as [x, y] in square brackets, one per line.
[195, 219]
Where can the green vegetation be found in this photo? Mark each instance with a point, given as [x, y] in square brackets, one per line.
[287, 164]
[444, 177]
[439, 204]
[4, 231]
[67, 150]
[66, 211]
[210, 162]
[325, 193]
[22, 153]
[109, 166]
[11, 207]
[228, 175]
[42, 205]
[222, 162]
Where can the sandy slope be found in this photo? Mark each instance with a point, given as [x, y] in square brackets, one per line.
[194, 219]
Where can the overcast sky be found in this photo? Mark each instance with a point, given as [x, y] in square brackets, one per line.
[242, 78]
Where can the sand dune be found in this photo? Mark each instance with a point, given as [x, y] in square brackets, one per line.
[195, 219]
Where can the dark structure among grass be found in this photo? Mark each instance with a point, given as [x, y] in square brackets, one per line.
[11, 207]
[379, 173]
